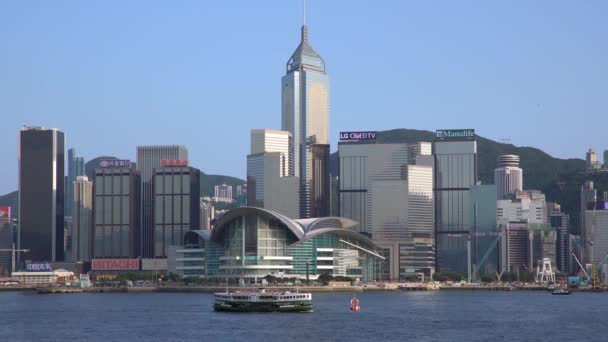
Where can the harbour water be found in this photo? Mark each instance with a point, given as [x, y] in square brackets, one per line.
[384, 316]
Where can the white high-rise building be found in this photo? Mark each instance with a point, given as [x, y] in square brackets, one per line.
[270, 181]
[591, 162]
[223, 193]
[207, 213]
[270, 140]
[526, 235]
[305, 114]
[508, 176]
[529, 207]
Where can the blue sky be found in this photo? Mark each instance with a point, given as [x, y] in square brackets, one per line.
[114, 75]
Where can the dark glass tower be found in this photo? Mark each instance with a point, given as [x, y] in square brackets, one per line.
[148, 158]
[455, 171]
[41, 193]
[116, 216]
[75, 169]
[176, 206]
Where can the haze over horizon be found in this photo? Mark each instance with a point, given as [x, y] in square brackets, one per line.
[202, 75]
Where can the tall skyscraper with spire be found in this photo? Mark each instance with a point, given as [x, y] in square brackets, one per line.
[305, 113]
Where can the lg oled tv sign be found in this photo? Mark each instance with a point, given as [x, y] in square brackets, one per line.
[115, 265]
[357, 136]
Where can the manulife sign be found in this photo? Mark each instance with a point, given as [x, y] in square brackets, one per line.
[455, 133]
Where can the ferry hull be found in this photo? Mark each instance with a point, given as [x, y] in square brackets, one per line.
[261, 307]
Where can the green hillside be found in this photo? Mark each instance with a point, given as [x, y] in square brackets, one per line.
[209, 181]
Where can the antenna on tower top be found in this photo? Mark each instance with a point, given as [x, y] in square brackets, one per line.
[304, 19]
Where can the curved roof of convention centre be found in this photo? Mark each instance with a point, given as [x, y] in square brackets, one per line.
[227, 217]
[303, 229]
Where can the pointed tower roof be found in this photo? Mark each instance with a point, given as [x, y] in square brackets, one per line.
[306, 57]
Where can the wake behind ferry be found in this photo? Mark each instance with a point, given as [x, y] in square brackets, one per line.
[262, 301]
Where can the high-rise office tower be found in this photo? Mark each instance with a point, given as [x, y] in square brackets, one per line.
[6, 241]
[393, 202]
[270, 173]
[508, 176]
[596, 236]
[455, 172]
[560, 221]
[82, 220]
[484, 241]
[305, 114]
[41, 193]
[591, 162]
[207, 214]
[588, 201]
[270, 140]
[176, 205]
[75, 169]
[148, 158]
[116, 227]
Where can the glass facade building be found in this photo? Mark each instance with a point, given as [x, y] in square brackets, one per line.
[455, 172]
[149, 158]
[485, 236]
[270, 181]
[305, 114]
[176, 205]
[6, 241]
[116, 214]
[389, 188]
[41, 193]
[251, 243]
[82, 220]
[75, 169]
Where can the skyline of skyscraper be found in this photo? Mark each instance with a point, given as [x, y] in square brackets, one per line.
[148, 158]
[305, 113]
[117, 206]
[6, 240]
[176, 205]
[75, 169]
[455, 171]
[41, 193]
[270, 181]
[82, 220]
[388, 189]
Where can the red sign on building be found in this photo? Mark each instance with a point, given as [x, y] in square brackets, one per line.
[115, 265]
[174, 162]
[5, 212]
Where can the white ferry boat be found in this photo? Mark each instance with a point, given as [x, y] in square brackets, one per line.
[262, 301]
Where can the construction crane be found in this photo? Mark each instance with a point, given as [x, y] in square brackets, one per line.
[581, 266]
[13, 251]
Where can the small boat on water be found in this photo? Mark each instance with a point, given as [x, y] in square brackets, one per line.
[354, 304]
[262, 301]
[561, 292]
